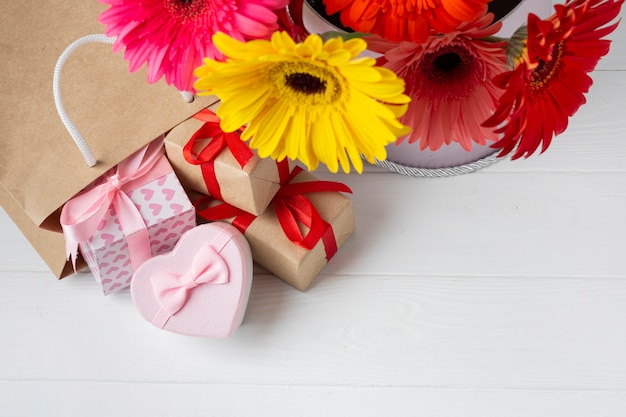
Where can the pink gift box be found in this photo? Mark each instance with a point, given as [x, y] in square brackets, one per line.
[202, 287]
[164, 209]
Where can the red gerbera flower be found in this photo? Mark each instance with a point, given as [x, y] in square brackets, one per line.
[549, 83]
[173, 36]
[412, 20]
[449, 79]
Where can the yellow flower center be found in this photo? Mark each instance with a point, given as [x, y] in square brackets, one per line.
[546, 70]
[305, 83]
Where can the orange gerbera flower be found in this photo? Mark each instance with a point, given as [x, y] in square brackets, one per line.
[405, 20]
[549, 83]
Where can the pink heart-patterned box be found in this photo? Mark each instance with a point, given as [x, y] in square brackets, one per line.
[157, 200]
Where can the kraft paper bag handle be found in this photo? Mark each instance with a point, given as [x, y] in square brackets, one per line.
[82, 145]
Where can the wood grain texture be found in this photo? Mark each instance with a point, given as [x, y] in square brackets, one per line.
[201, 400]
[485, 224]
[547, 333]
[496, 294]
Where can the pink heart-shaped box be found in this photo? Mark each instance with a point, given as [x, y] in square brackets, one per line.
[201, 288]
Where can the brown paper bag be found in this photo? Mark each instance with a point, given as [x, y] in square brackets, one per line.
[117, 112]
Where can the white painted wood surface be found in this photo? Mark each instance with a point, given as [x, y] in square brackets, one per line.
[501, 293]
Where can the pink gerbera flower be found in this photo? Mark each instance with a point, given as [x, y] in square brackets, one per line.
[448, 78]
[173, 36]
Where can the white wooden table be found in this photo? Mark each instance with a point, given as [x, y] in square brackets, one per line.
[496, 294]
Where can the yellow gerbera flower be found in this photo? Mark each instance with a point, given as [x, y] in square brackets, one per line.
[313, 101]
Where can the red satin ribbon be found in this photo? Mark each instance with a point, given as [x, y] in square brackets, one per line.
[206, 115]
[292, 209]
[219, 141]
[242, 219]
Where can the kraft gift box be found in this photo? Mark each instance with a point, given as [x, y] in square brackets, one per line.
[298, 258]
[135, 211]
[235, 174]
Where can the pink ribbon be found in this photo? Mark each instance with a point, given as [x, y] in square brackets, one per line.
[172, 290]
[81, 215]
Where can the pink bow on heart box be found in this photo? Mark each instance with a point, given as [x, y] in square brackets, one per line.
[133, 212]
[201, 288]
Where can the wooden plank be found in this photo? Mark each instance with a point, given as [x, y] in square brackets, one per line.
[94, 399]
[541, 334]
[535, 224]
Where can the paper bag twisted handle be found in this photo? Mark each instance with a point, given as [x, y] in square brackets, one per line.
[56, 91]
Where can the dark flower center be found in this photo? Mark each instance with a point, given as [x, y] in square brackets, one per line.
[447, 62]
[305, 83]
[185, 10]
[448, 74]
[546, 70]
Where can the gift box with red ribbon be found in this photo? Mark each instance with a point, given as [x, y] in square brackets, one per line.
[211, 161]
[135, 211]
[301, 230]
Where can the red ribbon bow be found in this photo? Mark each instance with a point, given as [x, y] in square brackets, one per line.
[220, 140]
[292, 209]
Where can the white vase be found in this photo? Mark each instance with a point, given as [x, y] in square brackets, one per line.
[405, 157]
